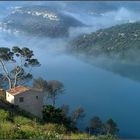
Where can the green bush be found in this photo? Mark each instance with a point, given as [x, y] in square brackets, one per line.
[22, 120]
[56, 115]
[4, 115]
[2, 95]
[6, 130]
[54, 128]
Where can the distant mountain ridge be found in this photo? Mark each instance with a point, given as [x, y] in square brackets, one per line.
[120, 41]
[40, 20]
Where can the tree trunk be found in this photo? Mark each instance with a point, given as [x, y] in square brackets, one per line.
[6, 73]
[10, 84]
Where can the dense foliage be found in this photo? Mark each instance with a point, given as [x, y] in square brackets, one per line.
[56, 115]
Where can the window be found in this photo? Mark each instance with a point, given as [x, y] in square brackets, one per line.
[21, 99]
[36, 97]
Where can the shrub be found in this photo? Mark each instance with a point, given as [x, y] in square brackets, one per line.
[22, 120]
[56, 115]
[2, 95]
[54, 128]
[6, 129]
[4, 115]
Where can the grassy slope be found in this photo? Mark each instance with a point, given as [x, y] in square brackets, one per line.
[18, 124]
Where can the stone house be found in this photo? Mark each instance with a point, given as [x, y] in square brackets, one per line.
[26, 98]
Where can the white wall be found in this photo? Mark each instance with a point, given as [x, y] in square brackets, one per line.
[9, 98]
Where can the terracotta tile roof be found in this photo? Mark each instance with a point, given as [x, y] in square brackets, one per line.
[18, 90]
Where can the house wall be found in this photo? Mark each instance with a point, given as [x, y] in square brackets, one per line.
[31, 103]
[9, 98]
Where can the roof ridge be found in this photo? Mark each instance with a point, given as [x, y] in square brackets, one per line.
[18, 89]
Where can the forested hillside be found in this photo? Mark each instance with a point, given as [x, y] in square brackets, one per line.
[121, 41]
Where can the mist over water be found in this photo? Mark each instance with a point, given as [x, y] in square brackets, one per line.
[99, 91]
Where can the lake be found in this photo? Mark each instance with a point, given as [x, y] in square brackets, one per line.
[100, 92]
